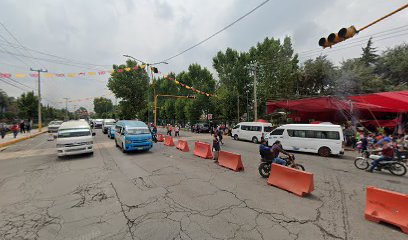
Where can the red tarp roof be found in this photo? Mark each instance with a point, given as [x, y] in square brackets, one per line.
[397, 101]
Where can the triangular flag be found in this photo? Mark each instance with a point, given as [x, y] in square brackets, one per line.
[20, 75]
[91, 73]
[71, 74]
[120, 70]
[127, 69]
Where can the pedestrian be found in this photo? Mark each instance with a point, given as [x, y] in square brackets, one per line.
[168, 129]
[22, 127]
[220, 133]
[177, 131]
[216, 148]
[3, 130]
[14, 129]
[28, 127]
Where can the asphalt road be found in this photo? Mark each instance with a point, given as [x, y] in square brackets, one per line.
[168, 194]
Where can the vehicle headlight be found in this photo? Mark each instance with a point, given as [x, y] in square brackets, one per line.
[149, 139]
[89, 143]
[128, 141]
[60, 145]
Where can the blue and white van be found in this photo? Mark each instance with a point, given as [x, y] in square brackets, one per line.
[132, 135]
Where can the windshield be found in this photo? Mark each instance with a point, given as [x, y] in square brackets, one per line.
[55, 123]
[80, 132]
[137, 131]
[109, 123]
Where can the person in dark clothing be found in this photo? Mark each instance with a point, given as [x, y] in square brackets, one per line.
[216, 147]
[22, 127]
[265, 151]
[220, 133]
[276, 149]
[364, 143]
[3, 130]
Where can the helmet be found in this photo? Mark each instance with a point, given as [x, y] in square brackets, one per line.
[387, 139]
[277, 142]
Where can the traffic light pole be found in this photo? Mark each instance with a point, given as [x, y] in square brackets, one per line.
[164, 95]
[39, 71]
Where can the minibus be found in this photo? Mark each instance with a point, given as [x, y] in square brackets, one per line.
[324, 139]
[131, 135]
[251, 131]
[74, 137]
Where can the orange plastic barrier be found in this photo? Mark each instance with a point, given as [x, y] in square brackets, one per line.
[387, 206]
[290, 179]
[230, 160]
[203, 150]
[160, 138]
[182, 146]
[168, 141]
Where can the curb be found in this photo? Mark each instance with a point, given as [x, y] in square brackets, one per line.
[20, 139]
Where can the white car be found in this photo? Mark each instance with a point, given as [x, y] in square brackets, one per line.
[74, 137]
[53, 126]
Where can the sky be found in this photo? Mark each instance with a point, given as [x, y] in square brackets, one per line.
[95, 34]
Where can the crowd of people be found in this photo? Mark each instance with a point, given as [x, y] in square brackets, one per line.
[21, 127]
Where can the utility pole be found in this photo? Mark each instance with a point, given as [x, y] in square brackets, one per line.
[66, 109]
[247, 91]
[39, 71]
[255, 98]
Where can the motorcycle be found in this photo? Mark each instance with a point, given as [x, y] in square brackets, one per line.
[266, 164]
[395, 167]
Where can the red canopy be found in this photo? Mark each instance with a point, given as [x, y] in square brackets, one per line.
[396, 101]
[262, 121]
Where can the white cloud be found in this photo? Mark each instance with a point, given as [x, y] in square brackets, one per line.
[101, 32]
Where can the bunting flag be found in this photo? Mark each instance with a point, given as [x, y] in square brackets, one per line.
[186, 86]
[91, 73]
[20, 75]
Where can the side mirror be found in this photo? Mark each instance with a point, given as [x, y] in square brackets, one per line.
[55, 136]
[93, 134]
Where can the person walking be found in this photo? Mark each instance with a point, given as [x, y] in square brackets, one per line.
[177, 131]
[168, 129]
[216, 148]
[14, 129]
[3, 130]
[28, 127]
[220, 133]
[22, 127]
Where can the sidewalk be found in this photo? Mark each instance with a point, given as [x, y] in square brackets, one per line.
[9, 138]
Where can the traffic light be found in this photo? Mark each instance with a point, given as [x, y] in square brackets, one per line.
[155, 70]
[334, 38]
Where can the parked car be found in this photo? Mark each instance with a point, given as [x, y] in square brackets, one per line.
[53, 126]
[251, 131]
[106, 124]
[74, 137]
[97, 123]
[131, 135]
[202, 128]
[111, 132]
[324, 139]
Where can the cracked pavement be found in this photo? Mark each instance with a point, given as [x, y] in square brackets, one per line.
[168, 194]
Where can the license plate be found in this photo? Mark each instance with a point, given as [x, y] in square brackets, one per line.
[140, 148]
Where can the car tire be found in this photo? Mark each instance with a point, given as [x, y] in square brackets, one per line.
[255, 140]
[236, 137]
[116, 143]
[123, 148]
[324, 151]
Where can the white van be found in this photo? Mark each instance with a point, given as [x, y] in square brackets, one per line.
[324, 139]
[74, 137]
[251, 131]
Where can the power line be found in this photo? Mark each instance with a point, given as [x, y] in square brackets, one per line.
[216, 33]
[19, 59]
[15, 39]
[3, 80]
[15, 81]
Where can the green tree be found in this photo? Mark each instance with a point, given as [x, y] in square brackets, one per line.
[179, 109]
[277, 70]
[234, 81]
[392, 66]
[316, 77]
[27, 105]
[103, 107]
[369, 56]
[132, 87]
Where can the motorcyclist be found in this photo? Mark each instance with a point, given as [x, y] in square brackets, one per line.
[272, 153]
[387, 154]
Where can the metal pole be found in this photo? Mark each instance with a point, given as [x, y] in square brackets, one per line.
[66, 109]
[155, 109]
[238, 107]
[255, 98]
[39, 71]
[247, 107]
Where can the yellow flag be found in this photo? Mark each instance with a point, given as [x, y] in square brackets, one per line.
[127, 69]
[177, 82]
[143, 66]
[188, 87]
[20, 75]
[49, 75]
[71, 74]
[165, 75]
[91, 73]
